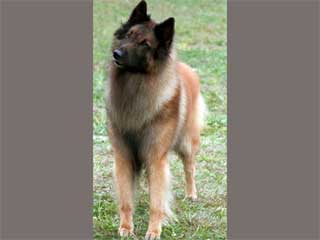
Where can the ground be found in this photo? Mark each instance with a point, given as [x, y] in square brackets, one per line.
[201, 42]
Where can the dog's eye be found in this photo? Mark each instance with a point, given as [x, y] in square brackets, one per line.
[128, 35]
[145, 43]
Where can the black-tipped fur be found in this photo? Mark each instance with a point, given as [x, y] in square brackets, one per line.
[140, 58]
[164, 32]
[138, 15]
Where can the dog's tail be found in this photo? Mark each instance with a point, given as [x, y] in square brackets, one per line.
[202, 112]
[169, 215]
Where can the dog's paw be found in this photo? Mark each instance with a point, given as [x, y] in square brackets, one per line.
[192, 197]
[152, 235]
[125, 232]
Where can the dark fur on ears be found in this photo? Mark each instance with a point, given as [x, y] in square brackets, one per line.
[138, 15]
[164, 32]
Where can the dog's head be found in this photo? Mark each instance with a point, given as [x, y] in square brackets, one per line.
[140, 44]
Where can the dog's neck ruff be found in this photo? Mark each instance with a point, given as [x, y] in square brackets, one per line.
[135, 99]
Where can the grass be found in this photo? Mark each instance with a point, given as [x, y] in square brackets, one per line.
[200, 42]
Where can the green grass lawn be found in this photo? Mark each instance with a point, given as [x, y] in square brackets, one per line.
[201, 42]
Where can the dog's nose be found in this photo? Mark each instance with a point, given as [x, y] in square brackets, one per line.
[117, 54]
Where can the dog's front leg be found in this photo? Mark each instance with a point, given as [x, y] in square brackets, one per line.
[158, 177]
[125, 187]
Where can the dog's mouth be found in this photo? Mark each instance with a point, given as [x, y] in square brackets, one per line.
[118, 63]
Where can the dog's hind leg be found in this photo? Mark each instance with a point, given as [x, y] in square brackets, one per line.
[187, 150]
[190, 170]
[189, 144]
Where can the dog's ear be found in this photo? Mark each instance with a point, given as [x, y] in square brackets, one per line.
[139, 13]
[165, 31]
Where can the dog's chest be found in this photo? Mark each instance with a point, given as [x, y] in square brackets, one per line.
[132, 105]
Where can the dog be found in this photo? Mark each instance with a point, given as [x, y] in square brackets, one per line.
[154, 106]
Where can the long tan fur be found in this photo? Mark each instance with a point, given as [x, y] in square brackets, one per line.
[150, 115]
